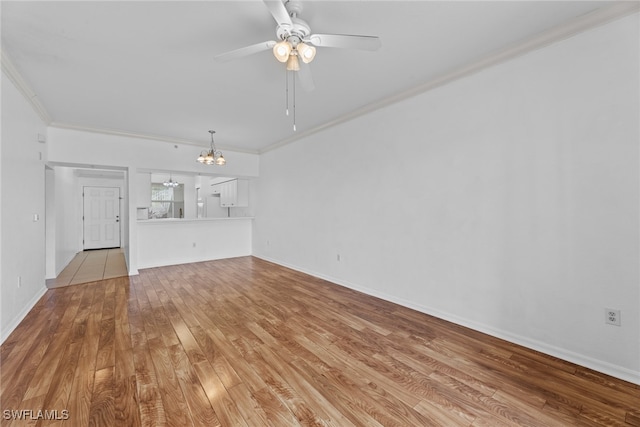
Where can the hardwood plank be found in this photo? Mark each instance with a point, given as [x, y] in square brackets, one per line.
[437, 415]
[58, 394]
[125, 397]
[106, 347]
[261, 407]
[343, 385]
[225, 408]
[633, 417]
[238, 364]
[101, 412]
[81, 393]
[305, 400]
[18, 371]
[152, 412]
[350, 401]
[44, 375]
[200, 407]
[147, 389]
[173, 401]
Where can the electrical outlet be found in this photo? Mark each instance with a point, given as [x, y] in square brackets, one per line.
[19, 281]
[612, 317]
[194, 244]
[338, 258]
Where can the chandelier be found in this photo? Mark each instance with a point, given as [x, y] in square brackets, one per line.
[171, 183]
[213, 156]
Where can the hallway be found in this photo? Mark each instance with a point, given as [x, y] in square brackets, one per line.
[91, 266]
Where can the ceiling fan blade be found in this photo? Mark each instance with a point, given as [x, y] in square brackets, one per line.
[279, 12]
[346, 41]
[305, 78]
[245, 51]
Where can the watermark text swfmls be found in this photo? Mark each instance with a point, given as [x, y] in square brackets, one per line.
[30, 414]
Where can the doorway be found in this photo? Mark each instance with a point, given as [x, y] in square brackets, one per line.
[101, 217]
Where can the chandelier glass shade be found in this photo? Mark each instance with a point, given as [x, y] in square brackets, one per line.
[213, 156]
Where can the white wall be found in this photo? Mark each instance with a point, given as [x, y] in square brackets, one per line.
[168, 242]
[22, 187]
[506, 201]
[68, 219]
[50, 223]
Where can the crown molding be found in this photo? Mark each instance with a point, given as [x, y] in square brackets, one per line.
[127, 134]
[23, 87]
[599, 17]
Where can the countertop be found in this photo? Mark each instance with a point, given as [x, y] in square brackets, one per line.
[190, 220]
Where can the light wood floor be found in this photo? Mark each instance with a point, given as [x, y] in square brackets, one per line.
[91, 266]
[242, 342]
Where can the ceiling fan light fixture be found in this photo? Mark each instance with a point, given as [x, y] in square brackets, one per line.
[306, 52]
[292, 63]
[282, 50]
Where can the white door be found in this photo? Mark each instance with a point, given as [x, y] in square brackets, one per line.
[101, 217]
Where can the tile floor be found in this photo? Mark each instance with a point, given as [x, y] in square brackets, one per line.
[90, 266]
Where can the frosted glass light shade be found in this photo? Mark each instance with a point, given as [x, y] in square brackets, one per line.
[282, 50]
[292, 63]
[306, 52]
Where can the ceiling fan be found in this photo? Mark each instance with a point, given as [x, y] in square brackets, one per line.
[295, 41]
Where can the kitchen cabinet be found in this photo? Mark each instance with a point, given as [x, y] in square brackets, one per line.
[228, 194]
[233, 193]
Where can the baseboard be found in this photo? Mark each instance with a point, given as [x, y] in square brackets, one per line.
[7, 330]
[561, 353]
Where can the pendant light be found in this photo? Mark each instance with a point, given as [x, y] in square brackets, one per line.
[213, 156]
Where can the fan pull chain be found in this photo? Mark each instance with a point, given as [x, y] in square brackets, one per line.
[293, 82]
[286, 83]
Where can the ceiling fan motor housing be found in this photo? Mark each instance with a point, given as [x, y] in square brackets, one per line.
[295, 34]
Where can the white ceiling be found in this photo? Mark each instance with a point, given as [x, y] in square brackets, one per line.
[148, 67]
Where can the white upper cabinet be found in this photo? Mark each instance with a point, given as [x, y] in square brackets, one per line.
[233, 193]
